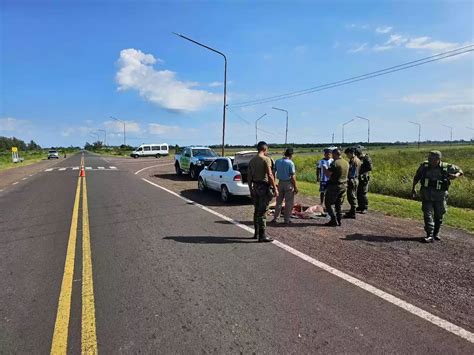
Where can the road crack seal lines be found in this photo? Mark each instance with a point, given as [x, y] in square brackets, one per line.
[431, 318]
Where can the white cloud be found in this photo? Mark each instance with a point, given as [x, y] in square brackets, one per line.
[384, 29]
[300, 50]
[426, 98]
[159, 129]
[427, 43]
[461, 109]
[215, 84]
[420, 43]
[354, 26]
[358, 48]
[447, 97]
[10, 124]
[161, 87]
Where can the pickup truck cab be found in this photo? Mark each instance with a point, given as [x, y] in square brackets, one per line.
[193, 159]
[151, 150]
[228, 175]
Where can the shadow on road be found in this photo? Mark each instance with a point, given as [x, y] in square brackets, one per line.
[211, 198]
[379, 238]
[209, 239]
[173, 177]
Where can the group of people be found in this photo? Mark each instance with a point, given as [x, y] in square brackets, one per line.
[338, 177]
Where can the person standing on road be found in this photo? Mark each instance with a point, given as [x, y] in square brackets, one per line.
[286, 174]
[435, 177]
[352, 181]
[321, 177]
[336, 187]
[364, 178]
[261, 181]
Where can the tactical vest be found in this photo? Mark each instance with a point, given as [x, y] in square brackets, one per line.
[440, 184]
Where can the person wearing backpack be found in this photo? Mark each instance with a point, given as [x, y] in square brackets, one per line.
[434, 177]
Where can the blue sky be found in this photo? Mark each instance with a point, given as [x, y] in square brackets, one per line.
[67, 66]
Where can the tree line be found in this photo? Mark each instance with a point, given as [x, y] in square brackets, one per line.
[6, 143]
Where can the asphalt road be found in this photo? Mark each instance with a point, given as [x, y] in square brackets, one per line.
[169, 277]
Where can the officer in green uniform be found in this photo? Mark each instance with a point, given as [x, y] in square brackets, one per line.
[261, 183]
[352, 181]
[336, 187]
[434, 177]
[364, 178]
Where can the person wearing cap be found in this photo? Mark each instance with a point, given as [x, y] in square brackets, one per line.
[286, 174]
[336, 188]
[434, 177]
[352, 181]
[364, 178]
[321, 177]
[261, 182]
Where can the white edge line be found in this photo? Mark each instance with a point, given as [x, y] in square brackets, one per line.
[153, 166]
[450, 327]
[16, 182]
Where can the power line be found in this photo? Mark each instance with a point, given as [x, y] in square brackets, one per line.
[238, 115]
[354, 79]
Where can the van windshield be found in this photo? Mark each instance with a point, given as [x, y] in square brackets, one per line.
[204, 153]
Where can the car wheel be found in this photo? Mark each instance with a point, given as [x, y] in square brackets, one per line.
[179, 172]
[135, 156]
[201, 185]
[193, 172]
[158, 155]
[225, 194]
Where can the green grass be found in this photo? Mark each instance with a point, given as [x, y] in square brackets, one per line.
[395, 167]
[399, 207]
[29, 158]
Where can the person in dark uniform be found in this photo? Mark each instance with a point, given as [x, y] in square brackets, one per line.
[261, 183]
[364, 178]
[352, 181]
[434, 177]
[336, 187]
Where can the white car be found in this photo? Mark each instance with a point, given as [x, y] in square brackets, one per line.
[228, 175]
[151, 150]
[53, 154]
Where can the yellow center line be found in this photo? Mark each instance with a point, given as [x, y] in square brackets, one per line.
[60, 335]
[89, 337]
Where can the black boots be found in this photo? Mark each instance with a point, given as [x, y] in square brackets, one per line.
[436, 232]
[263, 238]
[332, 223]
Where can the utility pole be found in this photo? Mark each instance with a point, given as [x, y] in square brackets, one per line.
[116, 119]
[286, 133]
[419, 131]
[225, 83]
[368, 128]
[256, 138]
[343, 125]
[450, 134]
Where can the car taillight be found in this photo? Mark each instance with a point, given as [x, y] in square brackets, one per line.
[238, 178]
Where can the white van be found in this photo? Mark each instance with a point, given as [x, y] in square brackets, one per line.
[151, 150]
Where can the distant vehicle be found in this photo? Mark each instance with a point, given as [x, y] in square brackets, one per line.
[53, 154]
[228, 175]
[193, 159]
[151, 150]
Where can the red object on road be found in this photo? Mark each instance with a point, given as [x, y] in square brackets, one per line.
[82, 173]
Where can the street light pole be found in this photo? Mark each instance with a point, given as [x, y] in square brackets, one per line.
[343, 125]
[225, 82]
[286, 132]
[450, 134]
[105, 135]
[262, 116]
[419, 131]
[368, 128]
[116, 119]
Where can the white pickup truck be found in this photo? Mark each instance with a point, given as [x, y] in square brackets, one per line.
[228, 175]
[193, 159]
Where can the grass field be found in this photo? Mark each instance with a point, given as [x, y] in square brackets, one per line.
[29, 158]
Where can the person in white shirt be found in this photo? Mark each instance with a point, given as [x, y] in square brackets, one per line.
[321, 166]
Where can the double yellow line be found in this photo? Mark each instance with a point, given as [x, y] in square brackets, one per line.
[61, 327]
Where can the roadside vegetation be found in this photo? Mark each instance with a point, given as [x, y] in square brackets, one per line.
[30, 152]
